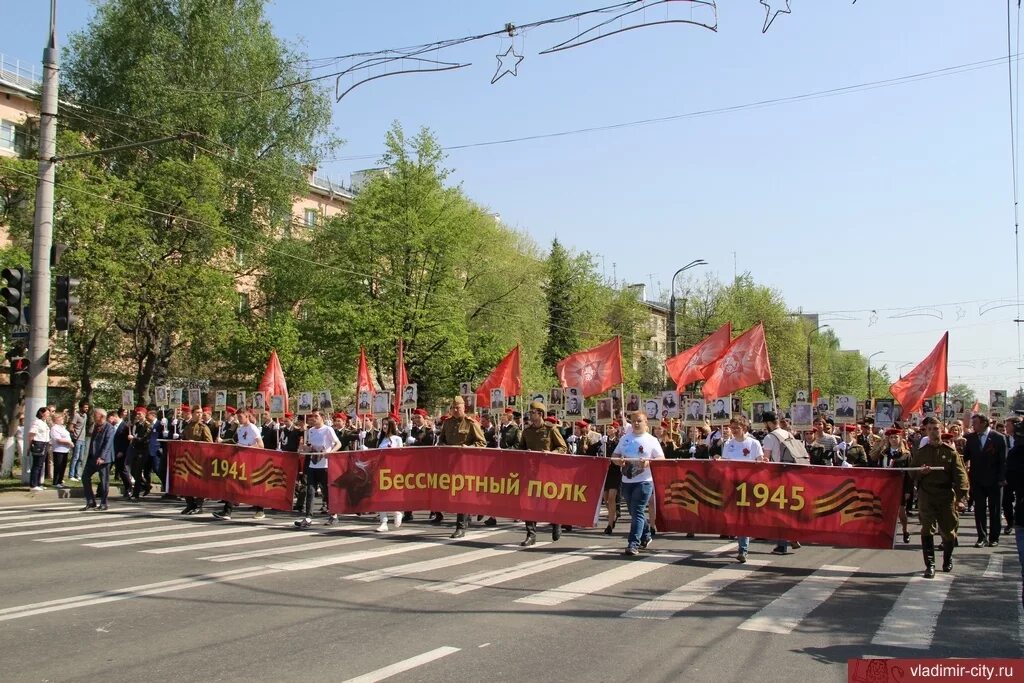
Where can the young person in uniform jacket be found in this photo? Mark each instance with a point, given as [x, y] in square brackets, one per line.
[121, 444]
[270, 433]
[986, 454]
[540, 435]
[509, 431]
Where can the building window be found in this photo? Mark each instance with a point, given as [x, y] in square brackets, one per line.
[309, 217]
[7, 135]
[243, 303]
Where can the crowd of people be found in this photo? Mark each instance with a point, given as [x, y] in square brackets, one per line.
[949, 468]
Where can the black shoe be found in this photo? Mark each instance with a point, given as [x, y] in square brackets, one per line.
[88, 506]
[406, 517]
[303, 523]
[691, 535]
[608, 530]
[947, 561]
[436, 518]
[102, 506]
[458, 533]
[929, 572]
[980, 543]
[779, 550]
[556, 532]
[644, 544]
[530, 540]
[188, 510]
[221, 514]
[490, 521]
[195, 511]
[796, 545]
[993, 544]
[906, 537]
[479, 518]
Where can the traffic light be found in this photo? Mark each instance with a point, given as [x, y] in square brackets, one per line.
[19, 365]
[65, 300]
[13, 294]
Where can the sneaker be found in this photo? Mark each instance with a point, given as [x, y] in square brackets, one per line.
[741, 558]
[88, 506]
[220, 514]
[436, 518]
[332, 520]
[398, 522]
[980, 544]
[631, 551]
[993, 544]
[779, 550]
[102, 506]
[795, 545]
[383, 527]
[301, 523]
[458, 533]
[36, 488]
[644, 544]
[490, 521]
[406, 516]
[260, 514]
[530, 540]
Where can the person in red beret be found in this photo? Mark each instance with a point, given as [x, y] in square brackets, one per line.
[851, 453]
[895, 453]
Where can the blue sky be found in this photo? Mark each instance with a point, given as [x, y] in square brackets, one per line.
[895, 199]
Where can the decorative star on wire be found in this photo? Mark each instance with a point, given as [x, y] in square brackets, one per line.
[503, 68]
[769, 14]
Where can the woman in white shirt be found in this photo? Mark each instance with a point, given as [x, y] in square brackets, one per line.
[60, 438]
[245, 435]
[633, 453]
[38, 443]
[744, 448]
[389, 438]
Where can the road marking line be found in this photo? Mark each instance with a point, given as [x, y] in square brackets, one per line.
[43, 519]
[472, 582]
[675, 601]
[123, 532]
[994, 570]
[117, 514]
[65, 529]
[265, 538]
[624, 572]
[431, 565]
[783, 614]
[99, 598]
[723, 548]
[911, 621]
[57, 506]
[346, 558]
[404, 665]
[175, 537]
[316, 545]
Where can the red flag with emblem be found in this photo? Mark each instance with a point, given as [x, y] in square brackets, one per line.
[744, 364]
[594, 370]
[506, 375]
[927, 379]
[273, 379]
[815, 395]
[685, 367]
[363, 382]
[401, 376]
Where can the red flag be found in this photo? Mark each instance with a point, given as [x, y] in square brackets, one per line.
[506, 375]
[401, 376]
[744, 364]
[927, 379]
[273, 379]
[685, 367]
[595, 370]
[976, 408]
[815, 395]
[363, 382]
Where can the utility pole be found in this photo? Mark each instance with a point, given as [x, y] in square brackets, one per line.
[39, 306]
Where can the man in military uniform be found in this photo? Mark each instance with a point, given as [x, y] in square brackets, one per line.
[509, 431]
[941, 489]
[540, 435]
[195, 430]
[460, 430]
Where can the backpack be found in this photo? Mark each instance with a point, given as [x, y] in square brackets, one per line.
[792, 449]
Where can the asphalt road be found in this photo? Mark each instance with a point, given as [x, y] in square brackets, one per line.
[141, 593]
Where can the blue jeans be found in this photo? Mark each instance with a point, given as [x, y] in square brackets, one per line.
[76, 457]
[743, 543]
[637, 496]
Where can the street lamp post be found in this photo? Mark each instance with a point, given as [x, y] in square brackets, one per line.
[869, 373]
[810, 371]
[672, 350]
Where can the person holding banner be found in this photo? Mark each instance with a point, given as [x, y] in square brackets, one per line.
[246, 435]
[613, 480]
[460, 430]
[320, 439]
[744, 447]
[941, 490]
[633, 453]
[540, 435]
[897, 454]
[389, 438]
[195, 430]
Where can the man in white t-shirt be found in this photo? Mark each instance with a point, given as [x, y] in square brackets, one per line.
[246, 435]
[320, 440]
[634, 453]
[772, 447]
[744, 448]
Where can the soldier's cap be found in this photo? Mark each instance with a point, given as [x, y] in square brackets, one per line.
[769, 416]
[208, 409]
[552, 419]
[509, 411]
[140, 409]
[340, 416]
[184, 407]
[230, 410]
[420, 412]
[395, 417]
[850, 428]
[289, 415]
[537, 405]
[582, 424]
[615, 424]
[892, 431]
[458, 400]
[445, 417]
[947, 437]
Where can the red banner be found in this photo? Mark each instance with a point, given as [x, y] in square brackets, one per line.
[841, 506]
[543, 487]
[224, 472]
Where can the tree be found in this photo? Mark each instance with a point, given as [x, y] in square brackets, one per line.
[962, 392]
[563, 314]
[142, 70]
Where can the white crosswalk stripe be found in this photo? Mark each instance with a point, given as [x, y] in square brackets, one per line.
[994, 570]
[675, 601]
[176, 537]
[57, 507]
[911, 621]
[121, 532]
[302, 547]
[438, 563]
[783, 614]
[117, 522]
[632, 569]
[268, 538]
[496, 577]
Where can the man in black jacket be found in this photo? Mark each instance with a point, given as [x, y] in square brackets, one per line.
[121, 444]
[986, 453]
